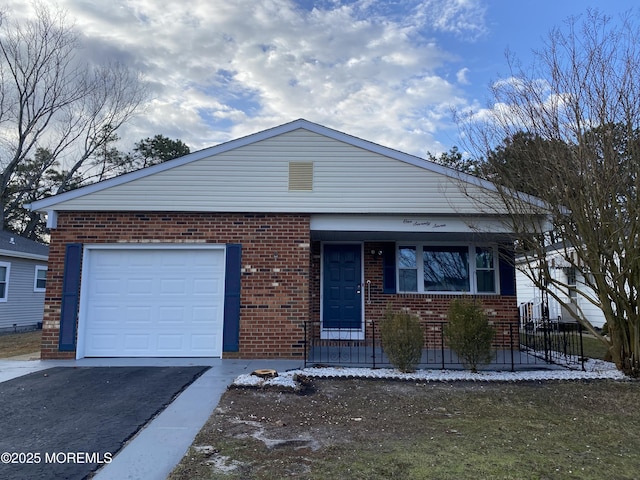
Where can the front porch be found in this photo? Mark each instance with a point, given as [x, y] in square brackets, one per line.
[516, 349]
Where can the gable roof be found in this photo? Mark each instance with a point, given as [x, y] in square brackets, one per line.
[350, 175]
[13, 245]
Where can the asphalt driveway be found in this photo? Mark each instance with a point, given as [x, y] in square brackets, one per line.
[65, 422]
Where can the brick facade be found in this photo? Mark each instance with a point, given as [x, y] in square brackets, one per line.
[280, 276]
[275, 268]
[431, 309]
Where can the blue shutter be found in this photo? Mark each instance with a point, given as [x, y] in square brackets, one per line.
[231, 329]
[70, 297]
[389, 268]
[507, 272]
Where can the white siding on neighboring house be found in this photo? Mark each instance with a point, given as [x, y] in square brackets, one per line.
[580, 299]
[528, 293]
[24, 306]
[254, 177]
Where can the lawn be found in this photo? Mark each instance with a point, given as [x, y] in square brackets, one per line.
[12, 344]
[379, 429]
[593, 348]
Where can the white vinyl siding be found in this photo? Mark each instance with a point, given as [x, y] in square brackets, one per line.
[528, 293]
[255, 178]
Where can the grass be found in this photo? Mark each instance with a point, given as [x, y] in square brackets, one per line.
[368, 429]
[593, 348]
[12, 344]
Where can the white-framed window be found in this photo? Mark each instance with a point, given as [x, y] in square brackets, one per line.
[572, 284]
[486, 271]
[5, 269]
[446, 268]
[40, 279]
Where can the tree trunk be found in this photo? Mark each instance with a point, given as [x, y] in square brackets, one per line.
[623, 353]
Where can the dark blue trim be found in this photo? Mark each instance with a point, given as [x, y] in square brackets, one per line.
[231, 328]
[389, 268]
[507, 272]
[70, 297]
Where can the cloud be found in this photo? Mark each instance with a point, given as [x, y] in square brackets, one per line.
[461, 76]
[218, 69]
[463, 18]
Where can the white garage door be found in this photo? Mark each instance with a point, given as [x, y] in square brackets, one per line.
[152, 302]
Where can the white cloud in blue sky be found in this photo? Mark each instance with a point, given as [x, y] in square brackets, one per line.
[387, 71]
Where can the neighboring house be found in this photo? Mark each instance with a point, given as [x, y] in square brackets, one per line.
[568, 284]
[23, 277]
[231, 250]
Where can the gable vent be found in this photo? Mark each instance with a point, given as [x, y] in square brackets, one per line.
[301, 176]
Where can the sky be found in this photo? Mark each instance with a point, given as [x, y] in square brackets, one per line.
[389, 71]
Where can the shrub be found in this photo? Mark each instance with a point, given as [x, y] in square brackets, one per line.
[402, 339]
[469, 334]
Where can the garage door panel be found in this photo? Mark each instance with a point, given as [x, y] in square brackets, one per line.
[171, 315]
[106, 262]
[105, 315]
[143, 260]
[107, 286]
[139, 286]
[102, 342]
[140, 316]
[203, 315]
[170, 343]
[137, 343]
[173, 261]
[153, 302]
[204, 286]
[173, 287]
[202, 342]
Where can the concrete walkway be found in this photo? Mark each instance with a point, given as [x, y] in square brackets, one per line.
[160, 445]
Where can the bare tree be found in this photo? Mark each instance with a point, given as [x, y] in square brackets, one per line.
[569, 130]
[50, 99]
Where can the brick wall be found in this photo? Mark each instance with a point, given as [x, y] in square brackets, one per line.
[280, 273]
[502, 310]
[275, 268]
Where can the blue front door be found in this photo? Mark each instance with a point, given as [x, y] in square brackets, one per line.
[342, 297]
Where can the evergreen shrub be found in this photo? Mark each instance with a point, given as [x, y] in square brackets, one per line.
[469, 333]
[402, 339]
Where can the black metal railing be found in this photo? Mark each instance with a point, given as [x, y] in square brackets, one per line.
[515, 348]
[555, 342]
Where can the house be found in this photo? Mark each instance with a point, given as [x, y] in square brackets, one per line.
[23, 278]
[566, 295]
[234, 250]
